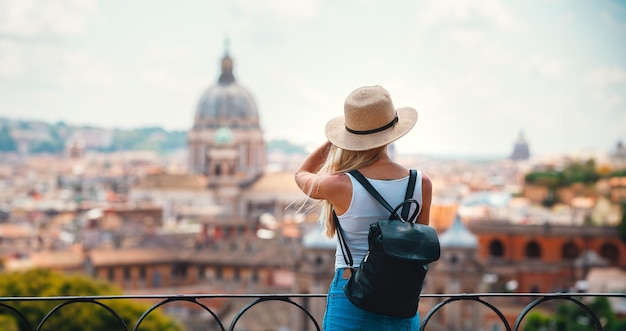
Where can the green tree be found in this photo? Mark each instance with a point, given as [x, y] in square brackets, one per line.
[151, 139]
[536, 321]
[581, 173]
[570, 317]
[7, 144]
[7, 323]
[75, 316]
[618, 173]
[51, 147]
[552, 180]
[621, 227]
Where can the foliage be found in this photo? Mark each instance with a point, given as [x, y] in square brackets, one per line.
[585, 173]
[75, 316]
[150, 139]
[536, 321]
[146, 139]
[618, 173]
[7, 323]
[51, 147]
[621, 227]
[7, 144]
[550, 179]
[575, 172]
[570, 317]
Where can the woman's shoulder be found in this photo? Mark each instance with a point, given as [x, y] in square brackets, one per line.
[336, 180]
[426, 182]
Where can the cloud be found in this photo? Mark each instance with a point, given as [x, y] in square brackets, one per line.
[466, 13]
[607, 76]
[32, 34]
[35, 19]
[280, 9]
[156, 69]
[607, 85]
[608, 16]
[547, 67]
[20, 59]
[51, 64]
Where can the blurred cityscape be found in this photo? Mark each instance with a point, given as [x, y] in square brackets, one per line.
[216, 210]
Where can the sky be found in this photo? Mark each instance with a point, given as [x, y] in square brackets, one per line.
[479, 72]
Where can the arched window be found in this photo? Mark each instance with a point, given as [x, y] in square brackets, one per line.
[156, 279]
[236, 274]
[496, 249]
[610, 252]
[569, 251]
[111, 274]
[127, 273]
[533, 250]
[142, 273]
[218, 169]
[179, 270]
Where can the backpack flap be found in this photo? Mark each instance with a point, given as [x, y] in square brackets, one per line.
[409, 241]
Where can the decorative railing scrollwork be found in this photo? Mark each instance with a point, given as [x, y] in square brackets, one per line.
[6, 305]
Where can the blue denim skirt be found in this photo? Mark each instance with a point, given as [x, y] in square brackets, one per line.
[342, 315]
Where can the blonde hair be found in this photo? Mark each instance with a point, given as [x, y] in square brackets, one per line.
[339, 161]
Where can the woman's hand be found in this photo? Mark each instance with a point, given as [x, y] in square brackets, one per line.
[310, 167]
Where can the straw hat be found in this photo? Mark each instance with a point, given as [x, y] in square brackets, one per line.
[370, 120]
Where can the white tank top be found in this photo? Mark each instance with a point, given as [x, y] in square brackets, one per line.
[364, 210]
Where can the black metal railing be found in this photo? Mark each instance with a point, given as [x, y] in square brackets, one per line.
[300, 301]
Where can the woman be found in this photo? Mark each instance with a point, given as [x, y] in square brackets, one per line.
[359, 140]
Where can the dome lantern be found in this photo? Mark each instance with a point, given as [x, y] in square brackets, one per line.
[226, 104]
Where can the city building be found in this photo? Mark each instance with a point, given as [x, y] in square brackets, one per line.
[521, 150]
[225, 222]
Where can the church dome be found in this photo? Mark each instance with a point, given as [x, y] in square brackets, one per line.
[314, 239]
[227, 104]
[458, 236]
[521, 151]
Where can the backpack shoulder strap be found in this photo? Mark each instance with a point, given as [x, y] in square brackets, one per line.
[409, 192]
[407, 196]
[345, 250]
[369, 188]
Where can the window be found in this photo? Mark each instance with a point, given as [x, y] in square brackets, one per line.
[318, 261]
[179, 270]
[126, 273]
[111, 274]
[569, 251]
[496, 249]
[610, 252]
[142, 273]
[533, 250]
[156, 279]
[142, 277]
[453, 259]
[89, 268]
